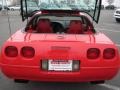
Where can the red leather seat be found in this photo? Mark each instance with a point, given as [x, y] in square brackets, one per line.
[75, 27]
[44, 26]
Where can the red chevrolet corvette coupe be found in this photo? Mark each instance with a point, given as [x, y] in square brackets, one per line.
[60, 44]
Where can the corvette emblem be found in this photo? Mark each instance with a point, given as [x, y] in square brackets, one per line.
[60, 37]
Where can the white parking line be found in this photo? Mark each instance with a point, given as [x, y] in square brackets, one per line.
[109, 24]
[118, 45]
[101, 29]
[110, 86]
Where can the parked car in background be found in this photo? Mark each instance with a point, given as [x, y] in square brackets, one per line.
[117, 15]
[17, 7]
[5, 7]
[110, 7]
[102, 7]
[0, 7]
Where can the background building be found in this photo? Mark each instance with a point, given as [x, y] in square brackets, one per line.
[9, 2]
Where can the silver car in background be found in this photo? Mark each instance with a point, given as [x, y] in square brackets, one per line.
[12, 8]
[117, 15]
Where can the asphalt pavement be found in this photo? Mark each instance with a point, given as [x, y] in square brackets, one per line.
[107, 25]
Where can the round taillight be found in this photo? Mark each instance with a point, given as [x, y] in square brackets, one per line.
[27, 52]
[11, 51]
[93, 53]
[109, 53]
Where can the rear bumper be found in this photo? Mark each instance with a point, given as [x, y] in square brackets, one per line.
[117, 16]
[34, 73]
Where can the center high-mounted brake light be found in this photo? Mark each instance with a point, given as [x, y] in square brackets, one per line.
[27, 52]
[11, 51]
[93, 53]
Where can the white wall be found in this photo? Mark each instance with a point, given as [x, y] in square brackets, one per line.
[9, 2]
[117, 3]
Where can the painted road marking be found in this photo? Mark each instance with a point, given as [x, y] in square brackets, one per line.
[101, 29]
[110, 86]
[118, 45]
[110, 24]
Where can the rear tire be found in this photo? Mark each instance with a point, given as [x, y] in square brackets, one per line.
[98, 82]
[12, 9]
[20, 81]
[118, 20]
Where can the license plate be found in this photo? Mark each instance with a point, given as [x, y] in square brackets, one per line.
[60, 65]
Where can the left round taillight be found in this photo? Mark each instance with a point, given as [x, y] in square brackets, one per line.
[28, 52]
[11, 51]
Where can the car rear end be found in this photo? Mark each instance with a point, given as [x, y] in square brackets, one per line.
[70, 58]
[117, 15]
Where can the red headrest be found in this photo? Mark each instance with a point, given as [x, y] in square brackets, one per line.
[44, 26]
[75, 27]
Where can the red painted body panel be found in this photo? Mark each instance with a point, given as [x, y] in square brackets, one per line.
[34, 73]
[64, 47]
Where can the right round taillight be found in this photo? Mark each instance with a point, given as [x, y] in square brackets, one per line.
[11, 51]
[93, 53]
[109, 53]
[27, 52]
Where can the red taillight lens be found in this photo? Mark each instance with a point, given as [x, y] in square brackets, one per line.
[93, 53]
[109, 53]
[11, 51]
[28, 52]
